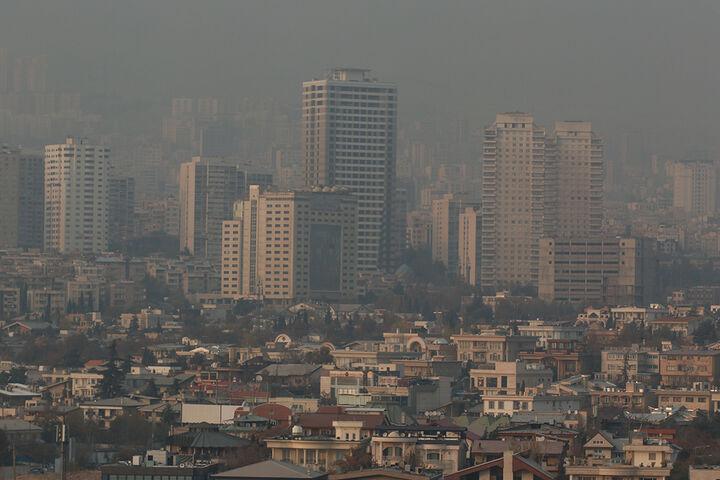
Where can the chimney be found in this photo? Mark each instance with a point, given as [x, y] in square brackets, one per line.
[508, 465]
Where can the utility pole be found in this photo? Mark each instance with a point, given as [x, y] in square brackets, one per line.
[13, 455]
[60, 432]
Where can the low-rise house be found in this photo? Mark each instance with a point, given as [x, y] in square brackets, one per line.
[291, 376]
[634, 397]
[683, 368]
[549, 454]
[421, 446]
[503, 378]
[20, 432]
[159, 465]
[634, 364]
[642, 458]
[564, 357]
[510, 466]
[270, 470]
[104, 411]
[317, 452]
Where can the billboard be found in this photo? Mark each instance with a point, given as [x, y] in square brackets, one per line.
[325, 257]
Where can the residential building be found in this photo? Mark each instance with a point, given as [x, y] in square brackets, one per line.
[76, 197]
[641, 458]
[284, 246]
[431, 446]
[508, 378]
[209, 187]
[695, 187]
[683, 368]
[634, 364]
[488, 347]
[614, 271]
[317, 452]
[565, 358]
[122, 209]
[419, 230]
[445, 216]
[469, 245]
[634, 397]
[349, 132]
[578, 154]
[516, 209]
[544, 331]
[21, 199]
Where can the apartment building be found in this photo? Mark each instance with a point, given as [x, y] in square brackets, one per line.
[683, 368]
[209, 187]
[21, 199]
[76, 197]
[349, 134]
[283, 246]
[469, 245]
[612, 271]
[488, 347]
[508, 378]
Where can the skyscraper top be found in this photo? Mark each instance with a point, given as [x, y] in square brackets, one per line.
[346, 74]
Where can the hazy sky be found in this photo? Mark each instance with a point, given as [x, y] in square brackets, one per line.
[652, 65]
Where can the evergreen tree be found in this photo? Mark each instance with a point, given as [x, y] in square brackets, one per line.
[111, 385]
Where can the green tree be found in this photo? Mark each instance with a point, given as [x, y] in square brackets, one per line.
[111, 385]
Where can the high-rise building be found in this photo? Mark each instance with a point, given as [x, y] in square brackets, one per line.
[695, 187]
[21, 199]
[469, 243]
[445, 215]
[122, 209]
[419, 229]
[76, 197]
[286, 246]
[536, 185]
[578, 153]
[349, 123]
[209, 187]
[599, 271]
[515, 203]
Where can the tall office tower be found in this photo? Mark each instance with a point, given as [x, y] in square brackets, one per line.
[349, 124]
[208, 189]
[76, 197]
[287, 246]
[578, 163]
[469, 247]
[597, 271]
[445, 213]
[695, 187]
[122, 209]
[516, 211]
[21, 199]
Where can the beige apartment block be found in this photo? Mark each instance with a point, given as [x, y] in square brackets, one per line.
[536, 185]
[514, 200]
[578, 154]
[695, 187]
[76, 197]
[284, 246]
[609, 271]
